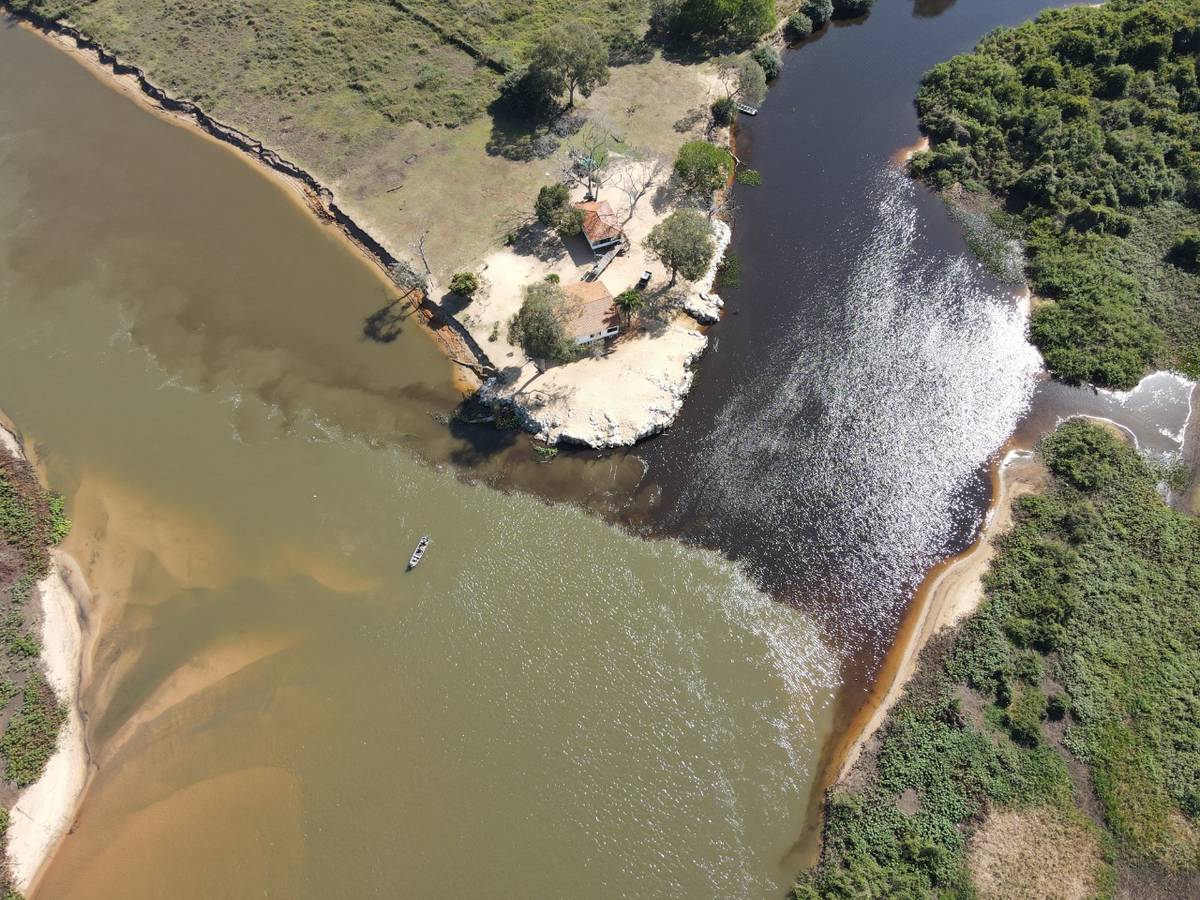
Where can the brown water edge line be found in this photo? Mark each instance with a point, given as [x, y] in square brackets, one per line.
[70, 573]
[468, 359]
[855, 724]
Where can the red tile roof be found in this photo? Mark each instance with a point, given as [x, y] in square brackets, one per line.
[590, 309]
[599, 221]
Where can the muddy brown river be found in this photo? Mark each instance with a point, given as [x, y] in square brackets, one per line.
[549, 705]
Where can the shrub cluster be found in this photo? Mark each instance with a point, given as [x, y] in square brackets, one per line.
[1082, 120]
[1094, 598]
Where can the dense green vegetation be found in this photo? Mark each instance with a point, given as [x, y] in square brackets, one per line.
[713, 21]
[554, 209]
[31, 520]
[682, 242]
[1087, 123]
[702, 167]
[465, 284]
[1086, 649]
[539, 327]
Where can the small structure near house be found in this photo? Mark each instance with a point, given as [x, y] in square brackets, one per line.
[602, 263]
[600, 227]
[591, 313]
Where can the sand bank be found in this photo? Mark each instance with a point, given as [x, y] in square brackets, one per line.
[45, 810]
[951, 591]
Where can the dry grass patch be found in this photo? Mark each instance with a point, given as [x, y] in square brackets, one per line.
[1035, 853]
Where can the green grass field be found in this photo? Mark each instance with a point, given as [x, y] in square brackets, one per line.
[382, 101]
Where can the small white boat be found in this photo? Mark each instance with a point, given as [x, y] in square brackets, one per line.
[422, 544]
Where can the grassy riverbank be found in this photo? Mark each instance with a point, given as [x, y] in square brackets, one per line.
[391, 105]
[1048, 746]
[1085, 126]
[31, 521]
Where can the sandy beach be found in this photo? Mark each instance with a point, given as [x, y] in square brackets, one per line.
[951, 591]
[45, 810]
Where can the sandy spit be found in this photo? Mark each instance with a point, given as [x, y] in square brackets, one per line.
[951, 592]
[45, 810]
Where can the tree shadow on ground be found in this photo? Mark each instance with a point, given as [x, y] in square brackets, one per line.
[661, 304]
[667, 195]
[536, 240]
[452, 303]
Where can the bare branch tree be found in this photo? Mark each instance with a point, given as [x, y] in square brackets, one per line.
[590, 164]
[720, 204]
[418, 246]
[730, 78]
[637, 178]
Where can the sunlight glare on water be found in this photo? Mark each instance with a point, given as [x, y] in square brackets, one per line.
[858, 465]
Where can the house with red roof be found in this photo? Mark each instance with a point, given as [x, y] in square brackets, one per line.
[600, 227]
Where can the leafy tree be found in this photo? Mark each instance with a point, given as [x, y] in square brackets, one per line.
[738, 20]
[532, 91]
[750, 19]
[539, 327]
[800, 24]
[682, 242]
[769, 59]
[851, 9]
[723, 109]
[552, 201]
[574, 56]
[752, 82]
[630, 302]
[702, 167]
[818, 11]
[554, 210]
[465, 284]
[570, 223]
